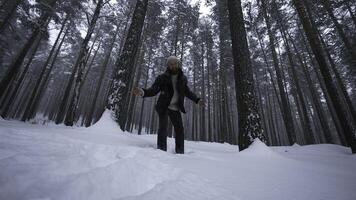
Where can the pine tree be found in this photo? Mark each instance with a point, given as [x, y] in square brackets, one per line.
[125, 64]
[38, 31]
[286, 112]
[248, 117]
[316, 47]
[79, 68]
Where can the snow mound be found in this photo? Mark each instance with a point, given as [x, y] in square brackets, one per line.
[296, 145]
[58, 162]
[106, 122]
[258, 148]
[326, 149]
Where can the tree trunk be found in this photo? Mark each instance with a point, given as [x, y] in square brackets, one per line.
[225, 53]
[268, 72]
[143, 104]
[316, 47]
[195, 121]
[315, 99]
[339, 83]
[287, 115]
[5, 23]
[202, 119]
[350, 12]
[30, 105]
[307, 129]
[248, 116]
[12, 91]
[125, 64]
[44, 84]
[132, 101]
[89, 119]
[347, 43]
[321, 81]
[78, 69]
[15, 66]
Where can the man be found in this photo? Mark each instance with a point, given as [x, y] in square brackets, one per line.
[173, 87]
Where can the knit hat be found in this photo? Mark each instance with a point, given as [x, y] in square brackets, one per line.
[173, 58]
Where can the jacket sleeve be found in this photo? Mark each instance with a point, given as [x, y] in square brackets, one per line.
[154, 89]
[189, 93]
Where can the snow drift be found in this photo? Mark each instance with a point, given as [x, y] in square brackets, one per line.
[101, 162]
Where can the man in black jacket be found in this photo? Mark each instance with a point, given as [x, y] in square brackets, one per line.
[173, 87]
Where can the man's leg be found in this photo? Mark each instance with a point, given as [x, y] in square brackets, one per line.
[162, 131]
[177, 122]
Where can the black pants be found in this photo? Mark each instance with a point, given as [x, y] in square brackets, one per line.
[176, 119]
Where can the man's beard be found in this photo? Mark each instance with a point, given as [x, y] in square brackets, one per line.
[173, 72]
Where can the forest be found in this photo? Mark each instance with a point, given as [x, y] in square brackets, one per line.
[282, 71]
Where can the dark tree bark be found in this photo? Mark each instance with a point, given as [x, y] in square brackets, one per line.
[15, 65]
[339, 83]
[29, 110]
[5, 22]
[12, 91]
[269, 105]
[152, 124]
[225, 54]
[143, 104]
[286, 113]
[248, 116]
[316, 47]
[321, 81]
[125, 64]
[299, 96]
[202, 119]
[347, 43]
[352, 14]
[78, 69]
[87, 71]
[89, 119]
[132, 99]
[45, 81]
[307, 129]
[195, 119]
[209, 66]
[315, 98]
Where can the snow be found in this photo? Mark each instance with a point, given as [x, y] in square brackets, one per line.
[258, 148]
[106, 122]
[101, 162]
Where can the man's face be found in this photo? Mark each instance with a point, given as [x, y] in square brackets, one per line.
[173, 65]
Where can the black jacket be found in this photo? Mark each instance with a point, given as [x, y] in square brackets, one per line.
[163, 84]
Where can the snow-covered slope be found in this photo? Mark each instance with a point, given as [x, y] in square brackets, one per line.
[101, 162]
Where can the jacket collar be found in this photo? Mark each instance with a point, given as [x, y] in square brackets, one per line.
[168, 74]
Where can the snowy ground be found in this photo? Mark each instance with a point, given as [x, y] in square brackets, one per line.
[100, 162]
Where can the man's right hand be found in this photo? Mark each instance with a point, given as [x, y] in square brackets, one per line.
[137, 91]
[201, 103]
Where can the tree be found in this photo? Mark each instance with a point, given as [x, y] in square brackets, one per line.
[14, 67]
[29, 110]
[5, 22]
[224, 65]
[104, 66]
[286, 112]
[351, 50]
[78, 69]
[315, 44]
[125, 64]
[249, 120]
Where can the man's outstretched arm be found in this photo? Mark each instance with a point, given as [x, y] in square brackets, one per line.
[190, 94]
[154, 89]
